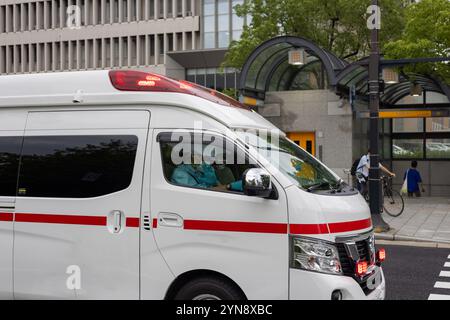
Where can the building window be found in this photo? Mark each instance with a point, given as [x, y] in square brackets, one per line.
[421, 138]
[407, 125]
[237, 22]
[214, 78]
[407, 148]
[438, 148]
[438, 124]
[209, 24]
[221, 24]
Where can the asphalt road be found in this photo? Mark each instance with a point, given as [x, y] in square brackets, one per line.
[412, 272]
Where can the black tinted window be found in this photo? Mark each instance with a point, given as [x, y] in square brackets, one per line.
[9, 163]
[76, 166]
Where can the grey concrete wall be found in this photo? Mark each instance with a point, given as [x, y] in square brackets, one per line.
[35, 36]
[319, 111]
[435, 176]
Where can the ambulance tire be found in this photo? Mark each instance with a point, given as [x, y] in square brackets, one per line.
[209, 288]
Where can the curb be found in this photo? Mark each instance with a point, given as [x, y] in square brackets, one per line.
[394, 237]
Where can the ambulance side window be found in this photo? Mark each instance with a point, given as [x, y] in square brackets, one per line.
[76, 166]
[9, 165]
[206, 162]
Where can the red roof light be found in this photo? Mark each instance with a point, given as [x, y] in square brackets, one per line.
[131, 80]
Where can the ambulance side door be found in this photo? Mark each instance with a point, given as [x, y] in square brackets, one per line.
[78, 205]
[12, 124]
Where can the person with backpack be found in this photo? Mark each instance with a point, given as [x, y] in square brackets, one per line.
[362, 173]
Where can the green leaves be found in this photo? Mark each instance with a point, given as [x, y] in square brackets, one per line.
[336, 25]
[426, 34]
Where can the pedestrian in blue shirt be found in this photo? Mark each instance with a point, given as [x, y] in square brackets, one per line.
[414, 180]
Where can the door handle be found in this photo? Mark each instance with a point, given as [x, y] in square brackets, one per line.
[170, 220]
[115, 221]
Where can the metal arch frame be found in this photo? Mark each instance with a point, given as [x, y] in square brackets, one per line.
[264, 64]
[351, 67]
[357, 77]
[337, 69]
[288, 68]
[405, 92]
[331, 62]
[295, 74]
[400, 90]
[274, 69]
[395, 92]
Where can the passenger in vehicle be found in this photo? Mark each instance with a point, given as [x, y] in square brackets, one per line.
[201, 175]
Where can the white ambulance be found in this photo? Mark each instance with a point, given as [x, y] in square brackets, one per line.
[99, 201]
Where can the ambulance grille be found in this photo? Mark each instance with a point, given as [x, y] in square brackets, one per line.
[348, 266]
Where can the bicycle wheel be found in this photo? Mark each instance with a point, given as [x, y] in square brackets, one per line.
[393, 203]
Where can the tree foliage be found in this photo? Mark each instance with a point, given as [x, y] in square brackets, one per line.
[336, 25]
[426, 34]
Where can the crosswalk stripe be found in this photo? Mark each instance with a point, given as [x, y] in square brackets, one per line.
[447, 264]
[444, 274]
[439, 297]
[443, 285]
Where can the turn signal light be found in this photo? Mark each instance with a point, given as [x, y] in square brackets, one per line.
[381, 255]
[361, 268]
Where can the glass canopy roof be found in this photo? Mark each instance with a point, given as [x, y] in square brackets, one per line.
[268, 69]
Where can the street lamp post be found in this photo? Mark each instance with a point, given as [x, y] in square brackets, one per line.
[374, 94]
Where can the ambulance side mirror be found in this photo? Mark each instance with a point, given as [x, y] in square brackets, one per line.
[257, 182]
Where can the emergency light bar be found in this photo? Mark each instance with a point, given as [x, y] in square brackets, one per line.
[131, 80]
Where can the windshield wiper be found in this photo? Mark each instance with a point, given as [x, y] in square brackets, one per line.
[318, 185]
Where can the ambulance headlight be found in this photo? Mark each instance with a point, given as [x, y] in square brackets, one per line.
[314, 255]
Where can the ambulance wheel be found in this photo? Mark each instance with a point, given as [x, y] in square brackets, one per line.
[209, 288]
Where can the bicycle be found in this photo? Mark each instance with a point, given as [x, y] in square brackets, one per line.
[393, 202]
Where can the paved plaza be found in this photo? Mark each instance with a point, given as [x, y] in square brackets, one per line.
[424, 219]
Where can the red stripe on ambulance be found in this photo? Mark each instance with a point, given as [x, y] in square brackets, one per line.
[6, 216]
[236, 226]
[206, 225]
[61, 219]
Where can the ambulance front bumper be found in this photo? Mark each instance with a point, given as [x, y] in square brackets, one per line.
[307, 285]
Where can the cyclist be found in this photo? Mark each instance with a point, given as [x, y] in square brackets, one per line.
[362, 173]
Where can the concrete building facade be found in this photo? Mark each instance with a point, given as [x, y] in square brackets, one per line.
[66, 35]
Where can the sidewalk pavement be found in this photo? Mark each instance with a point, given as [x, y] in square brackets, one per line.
[424, 219]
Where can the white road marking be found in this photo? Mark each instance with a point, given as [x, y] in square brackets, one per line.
[448, 256]
[447, 264]
[439, 297]
[444, 274]
[443, 285]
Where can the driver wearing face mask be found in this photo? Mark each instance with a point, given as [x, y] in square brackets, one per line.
[201, 175]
